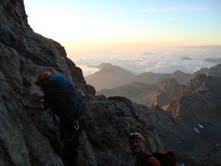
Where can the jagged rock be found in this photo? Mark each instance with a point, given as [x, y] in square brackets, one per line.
[200, 104]
[213, 71]
[147, 88]
[20, 141]
[108, 124]
[168, 91]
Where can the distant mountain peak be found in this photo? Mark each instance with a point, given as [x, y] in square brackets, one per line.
[105, 65]
[109, 76]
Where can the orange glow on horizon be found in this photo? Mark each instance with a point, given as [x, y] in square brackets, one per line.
[79, 48]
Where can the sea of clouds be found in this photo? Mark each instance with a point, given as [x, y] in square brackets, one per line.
[168, 60]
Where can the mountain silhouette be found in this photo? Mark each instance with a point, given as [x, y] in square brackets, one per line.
[109, 76]
[113, 76]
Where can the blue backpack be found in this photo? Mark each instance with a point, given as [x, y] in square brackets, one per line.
[64, 97]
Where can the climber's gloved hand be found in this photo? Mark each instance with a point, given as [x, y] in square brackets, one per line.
[36, 96]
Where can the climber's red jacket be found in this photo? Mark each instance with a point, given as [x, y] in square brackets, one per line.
[142, 159]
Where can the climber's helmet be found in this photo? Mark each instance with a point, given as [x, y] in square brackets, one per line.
[136, 135]
[43, 77]
[137, 143]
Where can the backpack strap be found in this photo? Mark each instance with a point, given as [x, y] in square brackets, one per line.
[77, 126]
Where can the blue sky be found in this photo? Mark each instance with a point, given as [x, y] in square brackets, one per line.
[75, 23]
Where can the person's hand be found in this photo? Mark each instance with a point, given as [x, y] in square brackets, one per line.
[36, 96]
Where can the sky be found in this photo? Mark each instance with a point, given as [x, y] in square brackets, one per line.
[90, 25]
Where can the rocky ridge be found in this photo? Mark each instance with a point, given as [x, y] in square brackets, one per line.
[112, 76]
[169, 90]
[199, 109]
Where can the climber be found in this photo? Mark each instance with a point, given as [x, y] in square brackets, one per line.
[137, 146]
[65, 99]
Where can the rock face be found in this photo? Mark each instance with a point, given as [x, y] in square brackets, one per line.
[108, 123]
[168, 91]
[199, 109]
[30, 138]
[23, 54]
